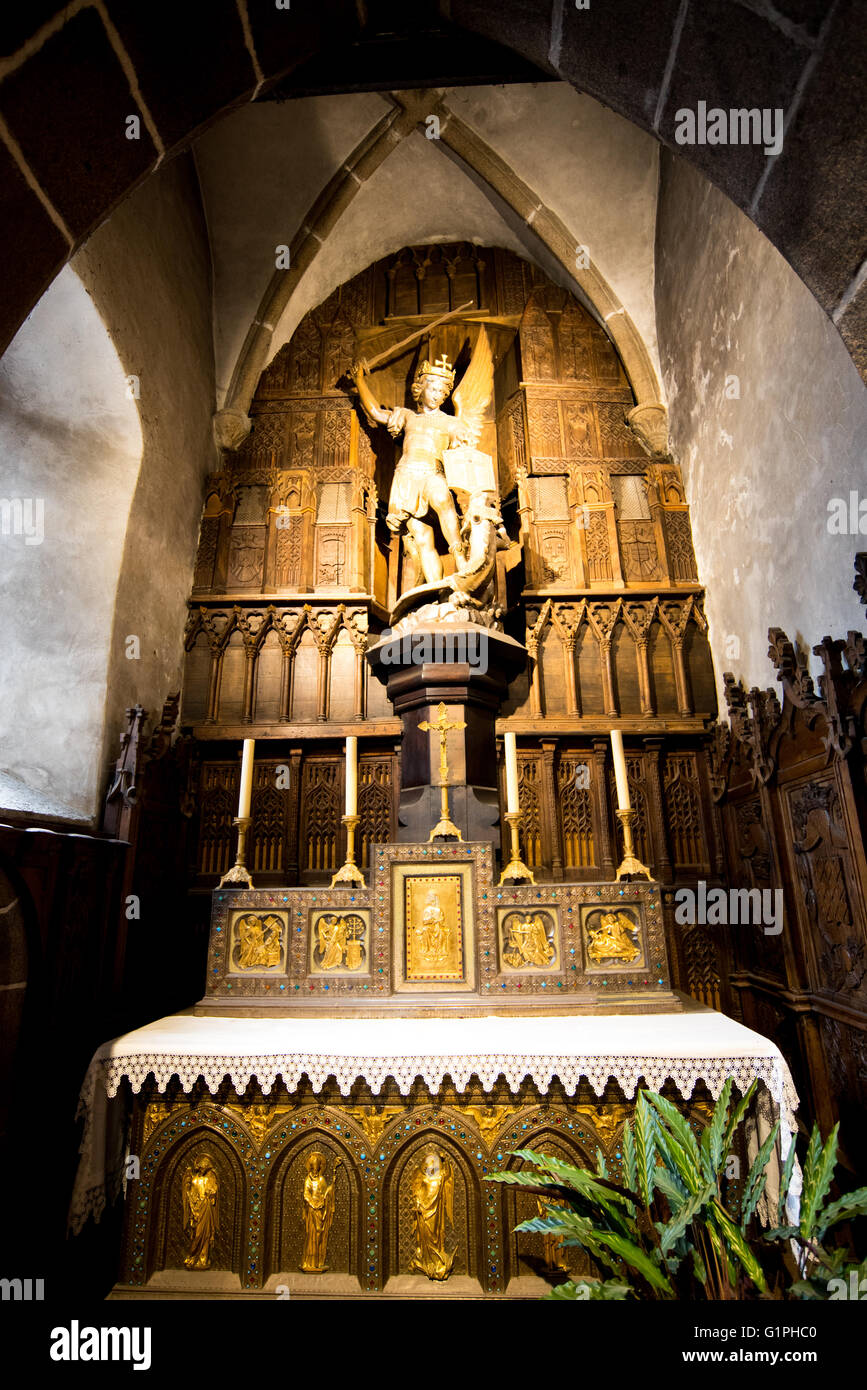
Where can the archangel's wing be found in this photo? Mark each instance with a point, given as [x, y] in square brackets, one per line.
[472, 397]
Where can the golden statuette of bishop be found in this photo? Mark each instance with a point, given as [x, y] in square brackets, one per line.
[445, 827]
[318, 1203]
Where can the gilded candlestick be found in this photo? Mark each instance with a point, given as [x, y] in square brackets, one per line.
[239, 872]
[350, 872]
[629, 863]
[516, 868]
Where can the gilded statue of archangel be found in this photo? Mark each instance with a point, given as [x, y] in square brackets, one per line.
[200, 1189]
[419, 486]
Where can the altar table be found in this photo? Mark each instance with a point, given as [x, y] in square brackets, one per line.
[698, 1044]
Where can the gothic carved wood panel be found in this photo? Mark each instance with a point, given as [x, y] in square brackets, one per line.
[575, 802]
[321, 811]
[824, 866]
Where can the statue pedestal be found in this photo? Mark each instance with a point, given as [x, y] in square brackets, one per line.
[468, 668]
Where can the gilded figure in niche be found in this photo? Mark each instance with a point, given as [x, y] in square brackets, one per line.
[434, 928]
[527, 941]
[552, 1244]
[432, 933]
[318, 1201]
[339, 942]
[260, 941]
[332, 941]
[613, 939]
[200, 1189]
[433, 1189]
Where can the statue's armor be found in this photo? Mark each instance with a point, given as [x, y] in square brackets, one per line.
[419, 479]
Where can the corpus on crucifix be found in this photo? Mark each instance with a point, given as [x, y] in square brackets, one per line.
[445, 827]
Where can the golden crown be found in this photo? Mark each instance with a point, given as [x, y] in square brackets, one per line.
[441, 368]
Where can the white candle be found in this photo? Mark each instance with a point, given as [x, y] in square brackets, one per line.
[511, 748]
[246, 779]
[623, 802]
[352, 775]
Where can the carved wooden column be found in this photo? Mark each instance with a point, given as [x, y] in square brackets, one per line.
[324, 687]
[683, 700]
[286, 655]
[603, 619]
[580, 518]
[308, 536]
[534, 637]
[675, 617]
[549, 804]
[656, 516]
[609, 512]
[214, 672]
[360, 681]
[638, 618]
[250, 659]
[525, 510]
[601, 822]
[567, 621]
[662, 856]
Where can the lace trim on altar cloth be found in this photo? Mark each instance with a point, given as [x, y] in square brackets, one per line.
[105, 1075]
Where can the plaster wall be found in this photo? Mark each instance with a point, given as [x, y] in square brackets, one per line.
[388, 214]
[262, 167]
[598, 172]
[761, 467]
[71, 443]
[148, 271]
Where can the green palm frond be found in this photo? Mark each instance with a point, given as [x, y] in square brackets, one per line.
[592, 1290]
[688, 1210]
[520, 1177]
[637, 1259]
[737, 1244]
[737, 1116]
[645, 1149]
[846, 1208]
[818, 1173]
[630, 1169]
[680, 1133]
[713, 1153]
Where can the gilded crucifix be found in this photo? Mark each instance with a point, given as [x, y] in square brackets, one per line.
[445, 827]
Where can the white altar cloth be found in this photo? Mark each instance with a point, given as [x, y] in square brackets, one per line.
[685, 1048]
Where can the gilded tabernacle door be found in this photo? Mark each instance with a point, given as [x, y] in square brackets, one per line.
[433, 934]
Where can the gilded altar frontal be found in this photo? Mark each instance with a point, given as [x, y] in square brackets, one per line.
[364, 1195]
[433, 705]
